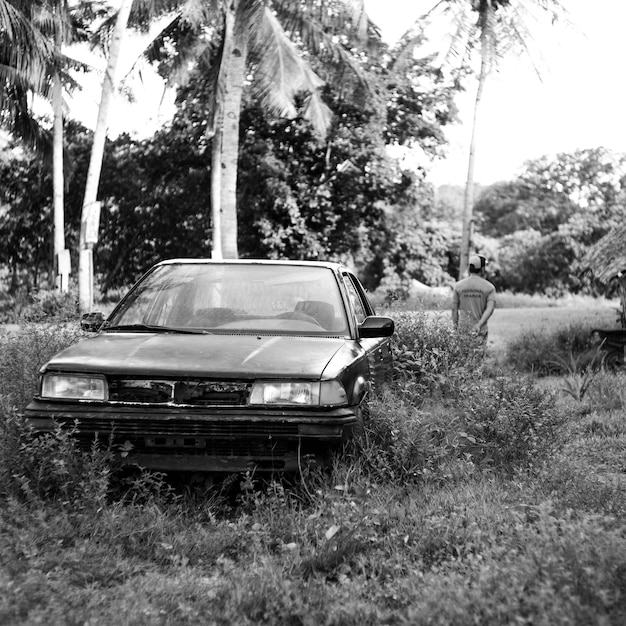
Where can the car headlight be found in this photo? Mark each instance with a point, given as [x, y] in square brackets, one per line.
[298, 393]
[74, 387]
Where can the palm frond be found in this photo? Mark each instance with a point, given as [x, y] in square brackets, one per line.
[21, 45]
[321, 32]
[281, 73]
[317, 113]
[18, 118]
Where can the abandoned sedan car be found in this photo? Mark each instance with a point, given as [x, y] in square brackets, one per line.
[222, 366]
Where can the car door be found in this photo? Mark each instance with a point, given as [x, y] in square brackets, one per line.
[378, 349]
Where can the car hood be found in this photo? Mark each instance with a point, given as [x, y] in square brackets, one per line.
[230, 356]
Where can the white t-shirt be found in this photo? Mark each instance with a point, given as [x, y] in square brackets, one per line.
[472, 294]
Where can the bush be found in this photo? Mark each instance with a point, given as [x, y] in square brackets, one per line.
[48, 467]
[428, 354]
[507, 424]
[504, 425]
[607, 391]
[41, 305]
[548, 353]
[22, 353]
[395, 445]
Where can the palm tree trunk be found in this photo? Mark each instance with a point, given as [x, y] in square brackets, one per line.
[230, 141]
[468, 200]
[58, 179]
[85, 271]
[224, 82]
[57, 160]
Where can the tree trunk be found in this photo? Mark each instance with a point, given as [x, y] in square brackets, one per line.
[57, 156]
[230, 141]
[219, 128]
[85, 273]
[468, 200]
[57, 176]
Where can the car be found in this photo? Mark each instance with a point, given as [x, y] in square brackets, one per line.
[222, 366]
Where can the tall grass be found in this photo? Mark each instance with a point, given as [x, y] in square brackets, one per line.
[471, 496]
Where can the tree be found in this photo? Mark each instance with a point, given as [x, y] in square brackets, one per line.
[25, 56]
[261, 50]
[25, 212]
[521, 204]
[35, 64]
[90, 212]
[250, 31]
[491, 28]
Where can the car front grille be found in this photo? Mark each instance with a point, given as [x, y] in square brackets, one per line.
[183, 436]
[181, 392]
[180, 428]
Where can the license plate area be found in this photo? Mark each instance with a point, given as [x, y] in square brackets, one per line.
[175, 442]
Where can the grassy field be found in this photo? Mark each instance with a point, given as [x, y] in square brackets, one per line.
[508, 323]
[473, 497]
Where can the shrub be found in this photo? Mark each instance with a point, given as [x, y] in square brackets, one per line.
[573, 485]
[607, 391]
[22, 353]
[503, 424]
[507, 423]
[395, 442]
[428, 354]
[40, 305]
[48, 467]
[548, 353]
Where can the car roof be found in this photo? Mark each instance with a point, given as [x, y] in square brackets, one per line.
[285, 262]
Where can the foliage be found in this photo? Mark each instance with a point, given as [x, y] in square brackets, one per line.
[547, 262]
[48, 467]
[429, 356]
[578, 379]
[25, 215]
[522, 205]
[39, 306]
[549, 216]
[607, 391]
[544, 353]
[23, 352]
[501, 512]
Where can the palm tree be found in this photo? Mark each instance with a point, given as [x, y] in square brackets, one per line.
[258, 51]
[489, 29]
[25, 56]
[90, 211]
[34, 63]
[250, 33]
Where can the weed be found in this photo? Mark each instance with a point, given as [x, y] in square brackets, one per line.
[23, 352]
[428, 354]
[607, 391]
[429, 517]
[579, 373]
[545, 353]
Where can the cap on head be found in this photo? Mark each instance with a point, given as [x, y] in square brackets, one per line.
[476, 262]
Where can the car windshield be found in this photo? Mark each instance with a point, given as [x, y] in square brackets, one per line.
[207, 297]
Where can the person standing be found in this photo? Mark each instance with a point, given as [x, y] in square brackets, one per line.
[474, 297]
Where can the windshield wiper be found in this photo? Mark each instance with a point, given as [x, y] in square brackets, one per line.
[156, 329]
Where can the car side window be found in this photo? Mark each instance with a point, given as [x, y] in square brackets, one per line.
[359, 306]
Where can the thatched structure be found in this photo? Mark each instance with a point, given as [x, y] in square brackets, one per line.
[607, 260]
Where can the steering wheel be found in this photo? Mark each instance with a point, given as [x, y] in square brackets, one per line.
[296, 315]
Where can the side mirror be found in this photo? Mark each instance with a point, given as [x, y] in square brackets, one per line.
[92, 322]
[376, 326]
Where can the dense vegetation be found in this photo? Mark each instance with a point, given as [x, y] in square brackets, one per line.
[474, 495]
[479, 491]
[340, 196]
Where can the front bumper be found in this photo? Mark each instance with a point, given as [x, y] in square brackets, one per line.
[211, 439]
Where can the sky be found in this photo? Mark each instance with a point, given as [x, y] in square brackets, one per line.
[579, 103]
